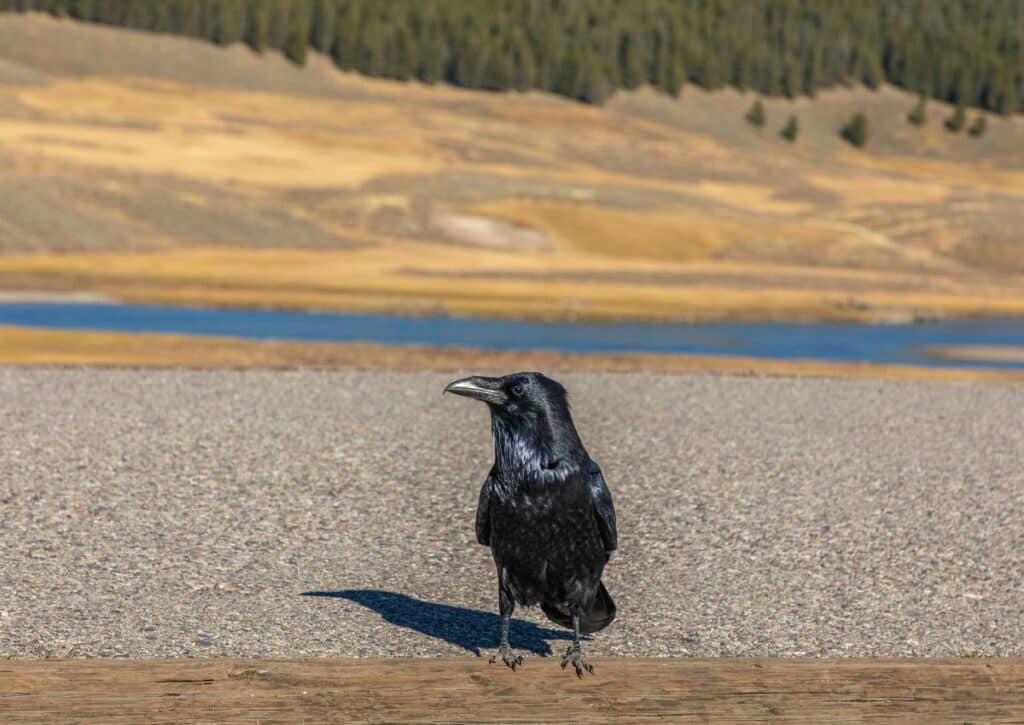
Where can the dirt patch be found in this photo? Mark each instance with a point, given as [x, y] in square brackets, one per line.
[980, 353]
[485, 232]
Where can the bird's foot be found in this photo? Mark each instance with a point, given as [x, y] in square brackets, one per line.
[574, 657]
[506, 655]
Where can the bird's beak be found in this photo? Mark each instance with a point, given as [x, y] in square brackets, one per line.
[485, 389]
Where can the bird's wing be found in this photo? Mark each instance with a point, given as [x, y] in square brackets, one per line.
[604, 510]
[483, 514]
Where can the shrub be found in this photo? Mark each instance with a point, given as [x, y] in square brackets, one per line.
[955, 123]
[756, 114]
[978, 127]
[916, 116]
[855, 131]
[791, 129]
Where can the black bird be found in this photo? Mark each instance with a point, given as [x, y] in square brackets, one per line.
[545, 510]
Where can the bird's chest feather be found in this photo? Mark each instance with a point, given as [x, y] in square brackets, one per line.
[530, 517]
[542, 521]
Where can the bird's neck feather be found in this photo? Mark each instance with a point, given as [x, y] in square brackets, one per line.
[536, 443]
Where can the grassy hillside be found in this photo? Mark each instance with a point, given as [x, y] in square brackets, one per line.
[161, 168]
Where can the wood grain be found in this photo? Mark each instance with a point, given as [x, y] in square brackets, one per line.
[465, 690]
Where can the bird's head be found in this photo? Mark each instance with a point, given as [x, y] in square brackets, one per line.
[513, 396]
[530, 418]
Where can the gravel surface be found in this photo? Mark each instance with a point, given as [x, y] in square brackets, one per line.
[159, 514]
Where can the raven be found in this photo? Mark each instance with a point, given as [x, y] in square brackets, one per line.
[545, 510]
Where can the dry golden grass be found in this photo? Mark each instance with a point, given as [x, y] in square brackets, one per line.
[165, 128]
[668, 235]
[935, 174]
[423, 278]
[866, 189]
[23, 346]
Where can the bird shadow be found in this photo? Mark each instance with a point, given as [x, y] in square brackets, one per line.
[470, 629]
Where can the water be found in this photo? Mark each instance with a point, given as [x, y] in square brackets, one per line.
[893, 344]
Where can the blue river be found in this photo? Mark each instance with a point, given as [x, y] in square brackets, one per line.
[894, 344]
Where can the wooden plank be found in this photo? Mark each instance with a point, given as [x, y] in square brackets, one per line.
[469, 690]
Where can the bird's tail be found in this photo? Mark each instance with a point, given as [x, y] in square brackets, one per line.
[599, 616]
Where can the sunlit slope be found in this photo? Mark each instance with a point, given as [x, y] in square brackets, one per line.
[116, 143]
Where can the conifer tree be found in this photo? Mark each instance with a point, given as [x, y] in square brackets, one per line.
[298, 39]
[257, 33]
[670, 73]
[348, 30]
[401, 55]
[1005, 98]
[323, 25]
[230, 23]
[955, 123]
[756, 116]
[855, 131]
[793, 79]
[432, 52]
[630, 61]
[916, 117]
[280, 24]
[979, 127]
[523, 65]
[791, 129]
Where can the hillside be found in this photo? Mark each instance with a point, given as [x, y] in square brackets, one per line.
[374, 194]
[969, 52]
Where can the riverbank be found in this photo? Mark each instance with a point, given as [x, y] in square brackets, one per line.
[420, 278]
[24, 346]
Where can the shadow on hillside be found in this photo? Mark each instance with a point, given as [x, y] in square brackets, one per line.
[470, 629]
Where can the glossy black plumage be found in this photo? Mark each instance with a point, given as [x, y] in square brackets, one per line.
[545, 509]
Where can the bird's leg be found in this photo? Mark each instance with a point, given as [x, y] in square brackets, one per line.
[574, 654]
[506, 605]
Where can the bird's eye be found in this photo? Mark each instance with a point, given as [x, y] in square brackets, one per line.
[517, 390]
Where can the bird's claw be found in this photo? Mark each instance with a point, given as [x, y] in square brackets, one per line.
[512, 660]
[574, 657]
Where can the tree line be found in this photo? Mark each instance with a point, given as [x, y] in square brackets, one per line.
[967, 52]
